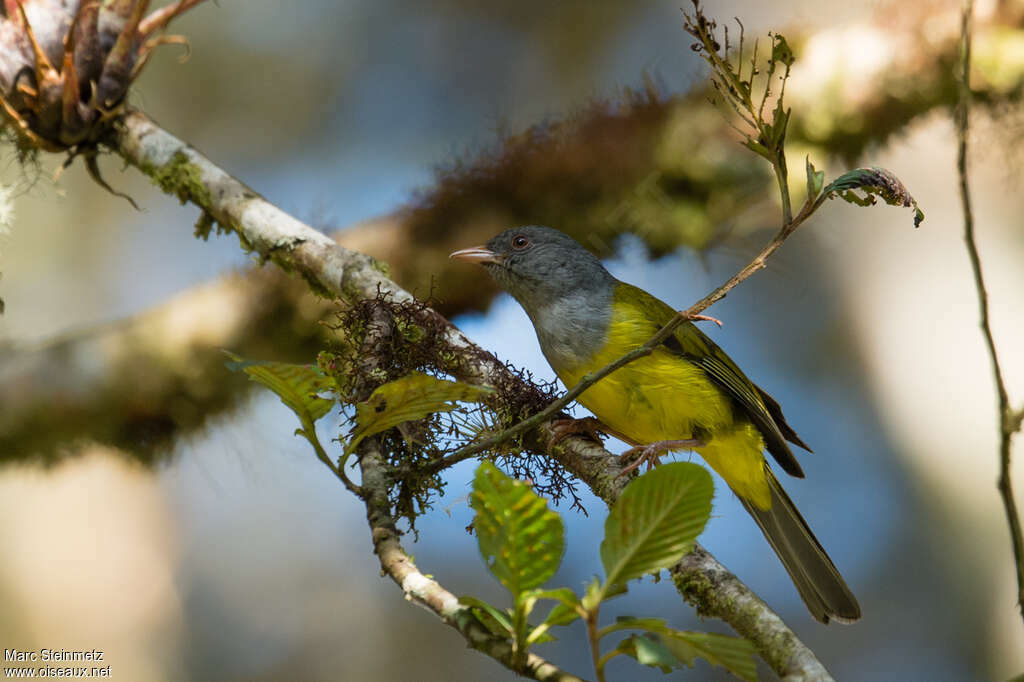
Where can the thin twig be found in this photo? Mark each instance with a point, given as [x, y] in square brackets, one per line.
[1009, 422]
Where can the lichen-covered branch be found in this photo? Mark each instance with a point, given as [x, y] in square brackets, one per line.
[139, 383]
[181, 170]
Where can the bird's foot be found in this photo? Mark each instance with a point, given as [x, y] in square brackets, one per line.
[651, 454]
[704, 318]
[589, 427]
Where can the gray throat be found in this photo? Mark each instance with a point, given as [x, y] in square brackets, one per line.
[572, 327]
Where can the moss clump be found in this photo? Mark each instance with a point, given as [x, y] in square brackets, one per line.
[205, 224]
[182, 178]
[410, 336]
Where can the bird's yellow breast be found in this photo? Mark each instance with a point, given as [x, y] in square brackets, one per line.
[662, 396]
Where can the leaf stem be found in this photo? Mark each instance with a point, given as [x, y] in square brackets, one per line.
[309, 432]
[595, 641]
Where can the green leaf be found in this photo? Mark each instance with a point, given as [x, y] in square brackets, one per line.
[780, 120]
[564, 612]
[493, 618]
[815, 181]
[631, 623]
[759, 149]
[520, 539]
[595, 593]
[298, 386]
[412, 397]
[647, 651]
[655, 521]
[873, 182]
[781, 52]
[732, 653]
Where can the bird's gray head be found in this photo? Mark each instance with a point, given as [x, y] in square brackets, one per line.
[538, 265]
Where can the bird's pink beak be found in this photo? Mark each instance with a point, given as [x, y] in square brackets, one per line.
[476, 254]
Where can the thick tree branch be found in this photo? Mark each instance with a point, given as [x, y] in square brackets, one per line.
[1009, 423]
[180, 169]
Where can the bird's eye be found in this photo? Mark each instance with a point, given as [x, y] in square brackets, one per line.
[520, 242]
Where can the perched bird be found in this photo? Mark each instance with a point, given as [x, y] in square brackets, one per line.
[686, 394]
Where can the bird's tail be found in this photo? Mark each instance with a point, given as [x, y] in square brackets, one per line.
[816, 578]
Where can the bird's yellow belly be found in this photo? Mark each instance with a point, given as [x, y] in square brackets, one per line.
[663, 397]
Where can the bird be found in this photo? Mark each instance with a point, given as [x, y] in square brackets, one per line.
[686, 394]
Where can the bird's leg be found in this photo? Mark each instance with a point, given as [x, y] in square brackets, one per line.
[651, 453]
[590, 427]
[704, 318]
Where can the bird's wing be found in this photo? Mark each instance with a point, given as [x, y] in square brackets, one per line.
[691, 344]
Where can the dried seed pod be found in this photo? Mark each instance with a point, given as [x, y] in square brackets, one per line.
[66, 66]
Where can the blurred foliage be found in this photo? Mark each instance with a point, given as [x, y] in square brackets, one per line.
[646, 163]
[133, 387]
[669, 168]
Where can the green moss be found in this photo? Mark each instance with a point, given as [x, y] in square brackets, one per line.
[696, 589]
[182, 178]
[409, 330]
[314, 284]
[381, 267]
[207, 223]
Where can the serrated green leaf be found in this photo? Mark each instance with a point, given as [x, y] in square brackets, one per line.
[732, 653]
[873, 182]
[648, 651]
[655, 521]
[815, 180]
[630, 623]
[520, 539]
[414, 396]
[493, 618]
[298, 386]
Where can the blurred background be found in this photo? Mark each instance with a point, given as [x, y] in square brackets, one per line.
[156, 509]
